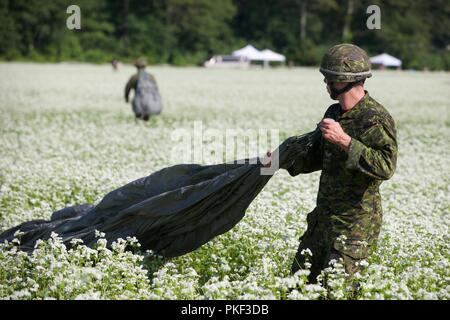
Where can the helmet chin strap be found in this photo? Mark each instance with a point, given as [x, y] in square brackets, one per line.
[334, 93]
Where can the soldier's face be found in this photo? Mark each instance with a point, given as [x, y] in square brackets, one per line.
[335, 85]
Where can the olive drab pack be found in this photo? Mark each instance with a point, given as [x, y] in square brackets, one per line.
[147, 100]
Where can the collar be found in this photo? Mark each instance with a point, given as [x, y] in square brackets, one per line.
[358, 106]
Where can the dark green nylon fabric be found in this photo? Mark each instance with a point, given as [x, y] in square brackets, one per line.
[172, 211]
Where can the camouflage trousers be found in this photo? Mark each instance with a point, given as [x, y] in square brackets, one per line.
[320, 240]
[322, 259]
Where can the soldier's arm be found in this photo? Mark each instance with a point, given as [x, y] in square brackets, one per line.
[131, 84]
[309, 162]
[312, 160]
[375, 153]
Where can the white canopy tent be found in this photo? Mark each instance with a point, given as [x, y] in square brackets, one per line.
[386, 60]
[269, 55]
[251, 53]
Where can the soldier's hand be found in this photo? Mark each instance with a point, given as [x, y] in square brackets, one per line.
[267, 160]
[333, 132]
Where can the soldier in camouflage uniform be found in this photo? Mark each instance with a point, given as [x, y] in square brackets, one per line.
[357, 151]
[140, 64]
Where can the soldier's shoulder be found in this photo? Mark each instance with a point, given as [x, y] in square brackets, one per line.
[134, 77]
[376, 112]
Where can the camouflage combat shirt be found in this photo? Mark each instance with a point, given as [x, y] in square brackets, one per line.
[348, 201]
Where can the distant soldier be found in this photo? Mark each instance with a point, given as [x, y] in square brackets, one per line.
[357, 151]
[115, 64]
[147, 100]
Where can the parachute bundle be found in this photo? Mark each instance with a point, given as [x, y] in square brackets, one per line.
[147, 100]
[172, 211]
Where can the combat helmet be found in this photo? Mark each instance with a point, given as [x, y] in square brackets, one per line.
[140, 63]
[345, 63]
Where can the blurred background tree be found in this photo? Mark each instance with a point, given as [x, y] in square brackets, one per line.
[183, 32]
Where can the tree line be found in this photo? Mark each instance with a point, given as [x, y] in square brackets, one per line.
[183, 32]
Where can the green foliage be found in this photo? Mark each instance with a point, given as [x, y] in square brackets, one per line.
[182, 32]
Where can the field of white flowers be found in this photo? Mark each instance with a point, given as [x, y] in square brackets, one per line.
[67, 137]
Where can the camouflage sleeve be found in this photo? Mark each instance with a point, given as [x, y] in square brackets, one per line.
[375, 153]
[312, 161]
[309, 162]
[131, 84]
